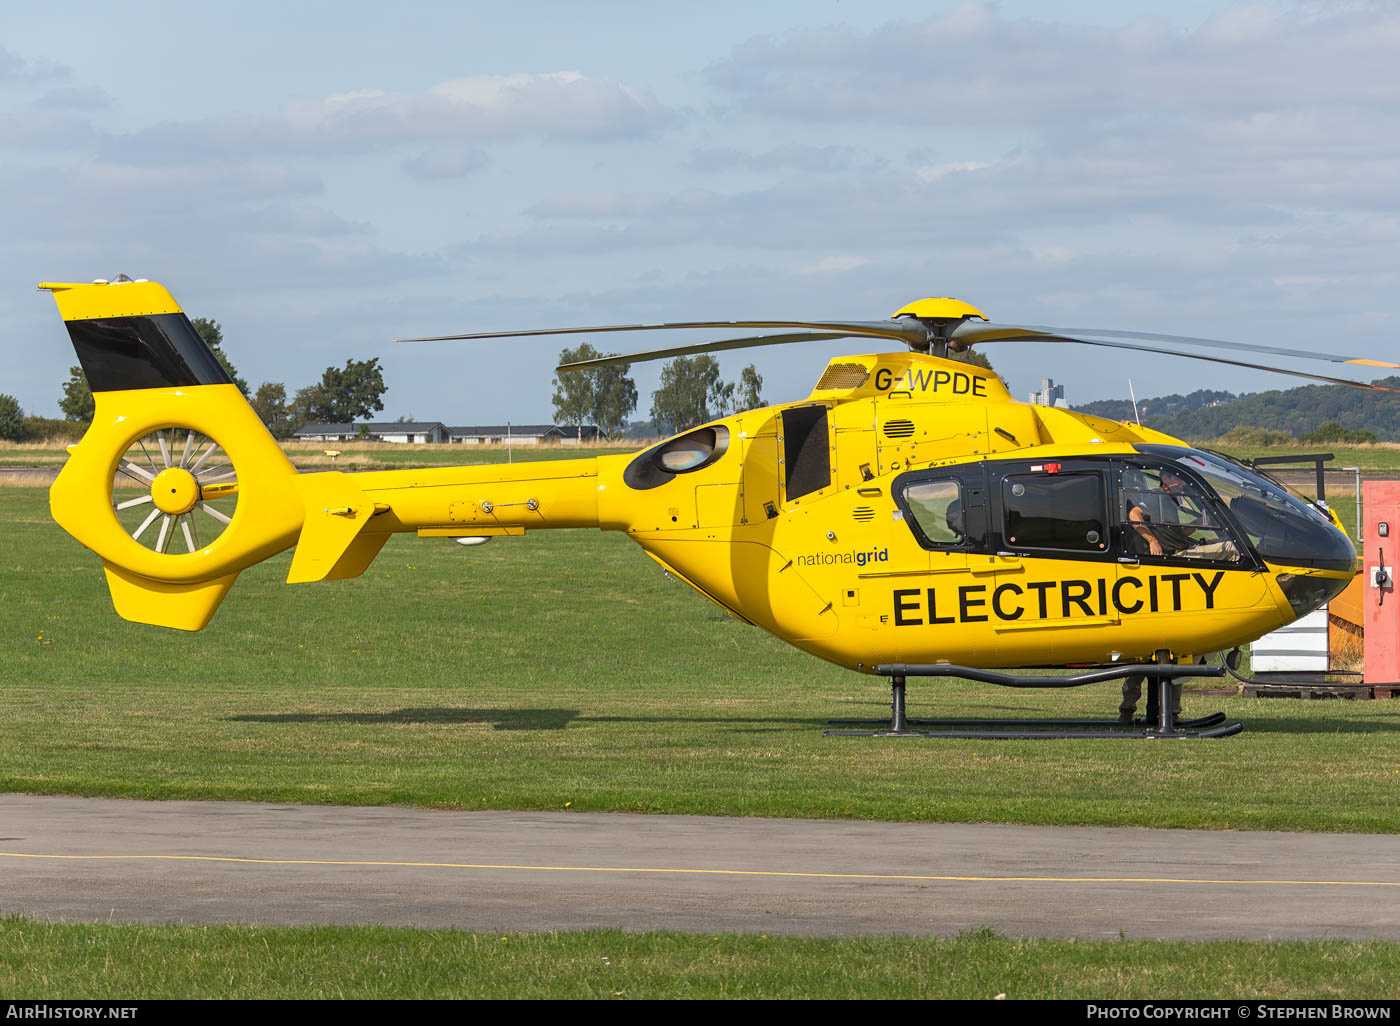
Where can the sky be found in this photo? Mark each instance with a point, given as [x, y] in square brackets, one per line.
[322, 178]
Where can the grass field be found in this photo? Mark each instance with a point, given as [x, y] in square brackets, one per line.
[563, 669]
[40, 960]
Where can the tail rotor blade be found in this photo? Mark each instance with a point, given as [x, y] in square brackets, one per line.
[136, 534]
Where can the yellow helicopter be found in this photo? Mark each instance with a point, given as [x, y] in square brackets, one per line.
[907, 518]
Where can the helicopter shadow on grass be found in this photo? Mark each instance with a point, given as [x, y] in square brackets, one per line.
[742, 724]
[500, 719]
[512, 719]
[558, 719]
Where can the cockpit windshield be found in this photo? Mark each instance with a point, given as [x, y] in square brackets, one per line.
[1278, 483]
[1283, 528]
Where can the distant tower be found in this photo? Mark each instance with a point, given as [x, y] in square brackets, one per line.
[1050, 394]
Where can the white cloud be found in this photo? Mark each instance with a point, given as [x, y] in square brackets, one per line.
[933, 172]
[14, 68]
[74, 98]
[796, 156]
[440, 162]
[44, 130]
[836, 264]
[558, 106]
[626, 205]
[973, 66]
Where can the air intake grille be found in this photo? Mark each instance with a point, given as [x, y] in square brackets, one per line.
[899, 428]
[844, 375]
[863, 514]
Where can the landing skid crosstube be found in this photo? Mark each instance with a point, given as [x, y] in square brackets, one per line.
[1159, 674]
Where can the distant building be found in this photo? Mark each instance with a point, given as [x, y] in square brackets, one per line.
[399, 431]
[435, 431]
[523, 434]
[1050, 394]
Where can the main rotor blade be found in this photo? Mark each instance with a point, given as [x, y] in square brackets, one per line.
[701, 347]
[983, 331]
[904, 329]
[1015, 333]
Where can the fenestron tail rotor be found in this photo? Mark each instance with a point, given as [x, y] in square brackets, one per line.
[152, 486]
[175, 490]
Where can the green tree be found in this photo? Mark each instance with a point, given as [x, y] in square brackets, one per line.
[77, 403]
[344, 394]
[1256, 437]
[1333, 433]
[976, 359]
[299, 409]
[973, 357]
[270, 404]
[750, 395]
[691, 393]
[614, 398]
[213, 336]
[603, 396]
[574, 391]
[12, 426]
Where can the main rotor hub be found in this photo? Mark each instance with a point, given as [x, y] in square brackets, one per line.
[939, 309]
[940, 316]
[175, 491]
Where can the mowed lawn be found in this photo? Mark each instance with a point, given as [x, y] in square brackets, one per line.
[67, 961]
[565, 670]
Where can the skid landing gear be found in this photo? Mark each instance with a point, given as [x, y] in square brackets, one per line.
[1159, 675]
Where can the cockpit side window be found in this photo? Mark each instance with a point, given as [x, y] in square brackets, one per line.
[1163, 514]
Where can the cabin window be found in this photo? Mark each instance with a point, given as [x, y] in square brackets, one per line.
[806, 451]
[937, 507]
[946, 509]
[1055, 511]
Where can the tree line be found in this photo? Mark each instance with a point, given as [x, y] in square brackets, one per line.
[1299, 412]
[691, 392]
[344, 394]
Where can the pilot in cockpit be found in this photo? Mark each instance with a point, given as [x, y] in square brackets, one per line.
[1172, 518]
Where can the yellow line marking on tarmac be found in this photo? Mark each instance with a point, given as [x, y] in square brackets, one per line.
[709, 872]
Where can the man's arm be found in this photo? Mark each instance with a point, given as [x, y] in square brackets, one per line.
[1139, 522]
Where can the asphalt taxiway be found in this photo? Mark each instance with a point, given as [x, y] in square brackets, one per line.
[84, 859]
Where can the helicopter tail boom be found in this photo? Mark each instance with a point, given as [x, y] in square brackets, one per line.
[350, 516]
[178, 486]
